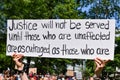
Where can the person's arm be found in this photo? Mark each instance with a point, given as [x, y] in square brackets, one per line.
[24, 76]
[100, 64]
[19, 65]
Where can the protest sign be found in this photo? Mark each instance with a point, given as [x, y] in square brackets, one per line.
[34, 70]
[62, 38]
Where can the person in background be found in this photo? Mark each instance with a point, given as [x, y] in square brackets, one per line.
[17, 58]
[6, 74]
[31, 75]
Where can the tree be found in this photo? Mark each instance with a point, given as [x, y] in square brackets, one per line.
[55, 9]
[40, 9]
[103, 9]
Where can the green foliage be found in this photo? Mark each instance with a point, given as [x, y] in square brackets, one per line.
[57, 9]
[103, 9]
[90, 66]
[66, 10]
[38, 9]
[5, 61]
[51, 65]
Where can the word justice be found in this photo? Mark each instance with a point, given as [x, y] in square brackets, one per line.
[22, 25]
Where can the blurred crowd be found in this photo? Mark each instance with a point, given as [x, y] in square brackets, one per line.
[11, 75]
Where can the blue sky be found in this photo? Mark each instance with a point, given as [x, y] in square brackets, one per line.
[116, 14]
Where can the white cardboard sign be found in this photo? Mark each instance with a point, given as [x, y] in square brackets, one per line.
[62, 38]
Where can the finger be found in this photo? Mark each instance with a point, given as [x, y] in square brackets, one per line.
[14, 54]
[106, 61]
[98, 61]
[97, 64]
[20, 55]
